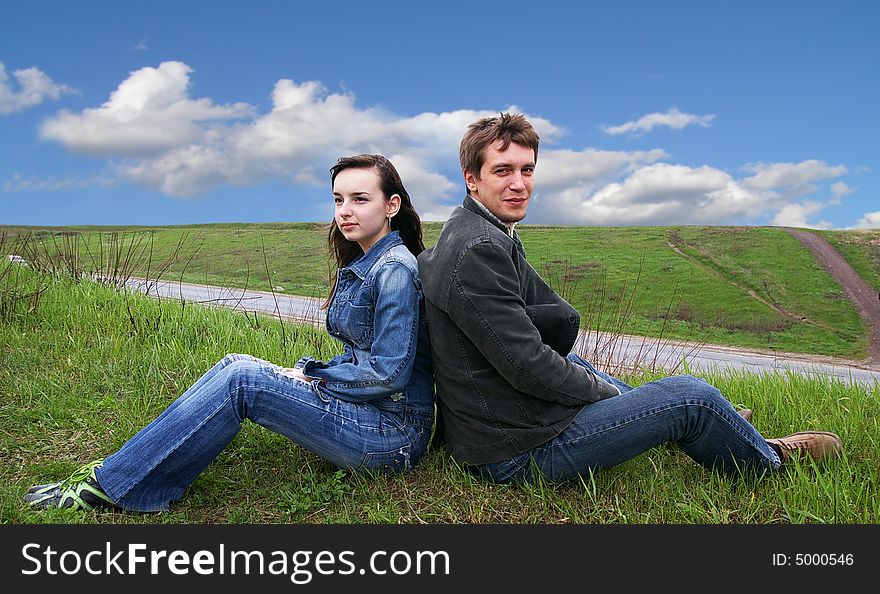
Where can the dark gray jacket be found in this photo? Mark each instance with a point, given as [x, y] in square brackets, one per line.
[499, 339]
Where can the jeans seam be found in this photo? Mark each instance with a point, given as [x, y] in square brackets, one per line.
[285, 394]
[176, 447]
[629, 420]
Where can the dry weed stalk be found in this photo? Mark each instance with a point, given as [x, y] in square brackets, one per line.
[606, 338]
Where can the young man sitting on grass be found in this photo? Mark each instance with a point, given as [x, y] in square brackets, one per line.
[512, 397]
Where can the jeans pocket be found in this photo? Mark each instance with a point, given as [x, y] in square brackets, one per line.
[388, 462]
[281, 375]
[325, 398]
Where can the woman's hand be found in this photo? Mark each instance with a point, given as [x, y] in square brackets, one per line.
[296, 373]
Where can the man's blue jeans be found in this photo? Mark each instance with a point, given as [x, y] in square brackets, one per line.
[156, 465]
[680, 409]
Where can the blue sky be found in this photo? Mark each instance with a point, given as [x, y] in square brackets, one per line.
[650, 113]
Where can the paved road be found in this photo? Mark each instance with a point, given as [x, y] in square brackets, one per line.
[626, 351]
[289, 307]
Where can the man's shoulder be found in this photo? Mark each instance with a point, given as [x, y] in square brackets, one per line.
[464, 249]
[440, 264]
[463, 230]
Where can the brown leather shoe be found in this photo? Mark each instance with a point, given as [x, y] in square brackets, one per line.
[745, 413]
[817, 444]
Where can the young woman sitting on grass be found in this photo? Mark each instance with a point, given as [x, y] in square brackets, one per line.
[372, 407]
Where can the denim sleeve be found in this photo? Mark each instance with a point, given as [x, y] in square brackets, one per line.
[342, 357]
[486, 305]
[396, 295]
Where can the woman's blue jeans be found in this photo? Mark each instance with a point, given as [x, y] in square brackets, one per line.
[680, 409]
[155, 466]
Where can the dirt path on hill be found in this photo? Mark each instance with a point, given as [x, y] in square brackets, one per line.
[797, 318]
[865, 297]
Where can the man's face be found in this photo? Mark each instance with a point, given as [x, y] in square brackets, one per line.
[505, 182]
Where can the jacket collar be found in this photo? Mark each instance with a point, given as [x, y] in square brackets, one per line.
[475, 206]
[361, 265]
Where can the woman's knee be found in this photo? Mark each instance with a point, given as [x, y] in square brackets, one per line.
[233, 357]
[240, 369]
[235, 366]
[239, 378]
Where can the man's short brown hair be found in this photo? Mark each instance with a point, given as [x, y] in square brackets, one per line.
[507, 128]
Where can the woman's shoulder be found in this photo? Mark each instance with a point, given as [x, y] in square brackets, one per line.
[399, 260]
[400, 254]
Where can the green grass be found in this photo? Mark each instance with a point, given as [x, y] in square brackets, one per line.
[744, 286]
[82, 368]
[741, 286]
[228, 254]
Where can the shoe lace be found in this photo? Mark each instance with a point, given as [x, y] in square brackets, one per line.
[80, 474]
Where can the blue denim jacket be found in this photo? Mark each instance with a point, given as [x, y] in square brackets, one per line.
[378, 313]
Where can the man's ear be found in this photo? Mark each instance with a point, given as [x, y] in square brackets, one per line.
[470, 180]
[392, 205]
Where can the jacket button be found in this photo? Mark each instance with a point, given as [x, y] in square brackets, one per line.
[571, 319]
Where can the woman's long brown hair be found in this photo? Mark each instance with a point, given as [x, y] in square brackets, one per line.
[406, 221]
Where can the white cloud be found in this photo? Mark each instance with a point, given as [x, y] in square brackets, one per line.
[150, 112]
[188, 171]
[159, 137]
[567, 167]
[870, 220]
[840, 189]
[665, 194]
[796, 177]
[427, 189]
[673, 118]
[35, 86]
[795, 215]
[185, 147]
[306, 130]
[564, 177]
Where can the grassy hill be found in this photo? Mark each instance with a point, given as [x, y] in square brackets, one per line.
[83, 367]
[743, 286]
[861, 249]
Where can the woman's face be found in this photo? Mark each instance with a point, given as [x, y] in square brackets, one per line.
[361, 208]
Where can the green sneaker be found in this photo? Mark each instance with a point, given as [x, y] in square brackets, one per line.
[78, 491]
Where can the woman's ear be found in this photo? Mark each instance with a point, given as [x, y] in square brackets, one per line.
[392, 205]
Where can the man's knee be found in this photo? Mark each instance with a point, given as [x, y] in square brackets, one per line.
[693, 387]
[699, 389]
